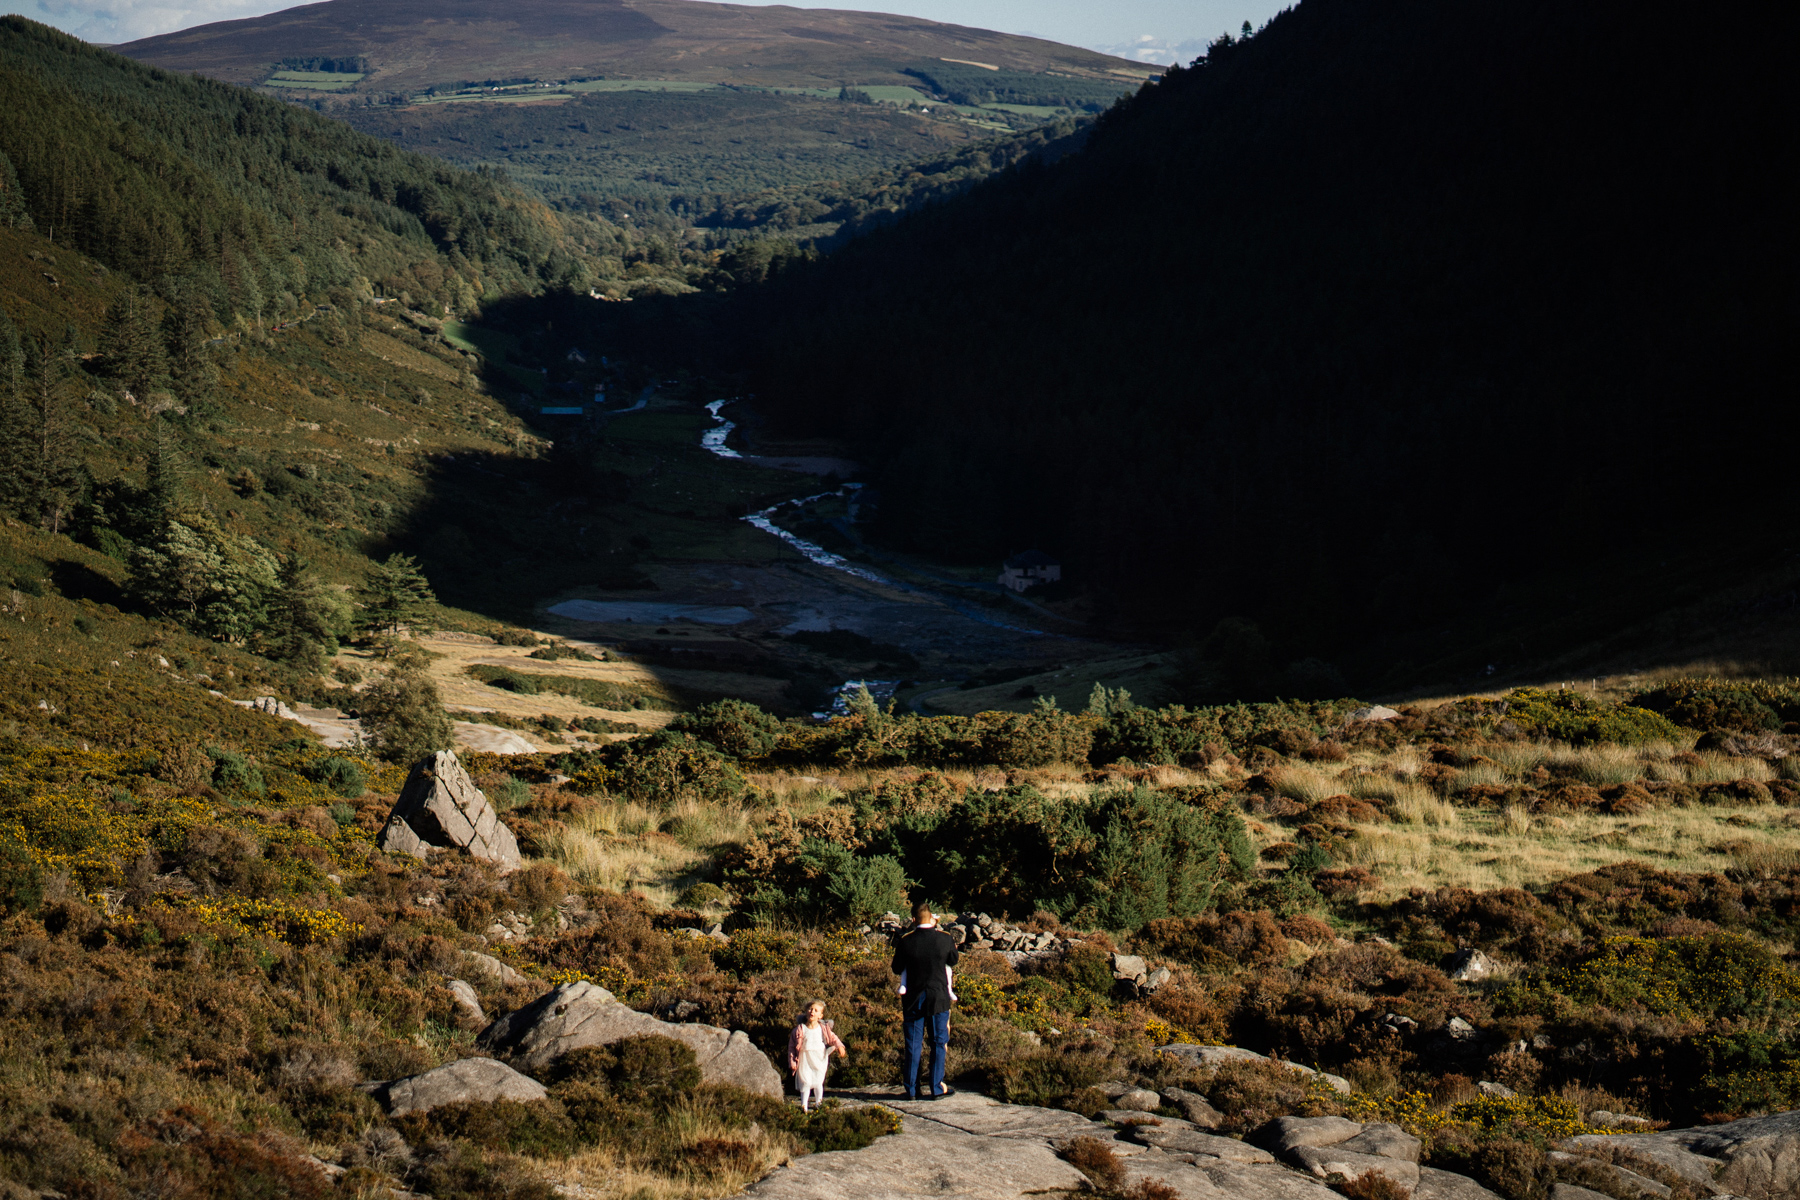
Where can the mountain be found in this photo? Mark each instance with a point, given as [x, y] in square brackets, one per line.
[1410, 333]
[406, 45]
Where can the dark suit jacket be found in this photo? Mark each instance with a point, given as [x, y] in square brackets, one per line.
[923, 954]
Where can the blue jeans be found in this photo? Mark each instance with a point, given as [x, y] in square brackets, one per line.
[915, 1038]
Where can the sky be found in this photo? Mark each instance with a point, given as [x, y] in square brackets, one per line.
[1164, 31]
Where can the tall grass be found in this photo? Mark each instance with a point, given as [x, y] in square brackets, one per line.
[1479, 775]
[1517, 758]
[1309, 785]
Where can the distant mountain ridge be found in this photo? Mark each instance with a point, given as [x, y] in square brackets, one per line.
[412, 45]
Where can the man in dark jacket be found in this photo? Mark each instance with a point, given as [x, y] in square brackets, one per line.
[924, 956]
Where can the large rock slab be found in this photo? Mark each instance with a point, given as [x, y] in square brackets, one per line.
[1218, 1179]
[467, 1079]
[1325, 1161]
[926, 1158]
[1212, 1056]
[585, 1014]
[1384, 1140]
[974, 1113]
[1288, 1133]
[1446, 1185]
[1192, 1141]
[1757, 1157]
[440, 806]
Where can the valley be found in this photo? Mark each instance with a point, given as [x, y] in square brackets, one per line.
[530, 539]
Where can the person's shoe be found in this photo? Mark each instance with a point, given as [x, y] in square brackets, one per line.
[948, 1091]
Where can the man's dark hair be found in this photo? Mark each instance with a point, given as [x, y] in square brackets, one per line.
[921, 910]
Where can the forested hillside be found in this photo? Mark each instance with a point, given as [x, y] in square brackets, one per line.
[155, 173]
[1390, 313]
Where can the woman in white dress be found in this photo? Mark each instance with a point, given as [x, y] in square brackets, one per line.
[810, 1048]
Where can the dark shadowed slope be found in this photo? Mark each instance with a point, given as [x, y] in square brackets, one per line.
[1371, 319]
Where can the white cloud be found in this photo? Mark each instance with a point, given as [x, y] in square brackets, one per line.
[127, 20]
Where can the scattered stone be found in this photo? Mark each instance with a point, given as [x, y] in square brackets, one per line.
[1138, 1100]
[1375, 712]
[495, 970]
[1155, 980]
[1459, 1029]
[1468, 966]
[585, 1014]
[479, 1079]
[467, 1002]
[1488, 1087]
[1399, 1024]
[1112, 1089]
[1195, 1107]
[441, 806]
[1128, 966]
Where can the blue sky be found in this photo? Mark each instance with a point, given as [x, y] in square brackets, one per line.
[1149, 30]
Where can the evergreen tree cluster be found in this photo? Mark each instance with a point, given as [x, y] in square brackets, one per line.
[253, 203]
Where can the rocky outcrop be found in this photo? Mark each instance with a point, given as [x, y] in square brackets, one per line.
[1328, 1146]
[584, 1014]
[1757, 1157]
[969, 1146]
[467, 1079]
[440, 806]
[926, 1158]
[1212, 1056]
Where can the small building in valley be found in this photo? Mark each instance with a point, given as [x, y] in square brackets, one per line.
[1027, 570]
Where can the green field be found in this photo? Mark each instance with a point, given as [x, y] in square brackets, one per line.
[639, 85]
[897, 95]
[318, 81]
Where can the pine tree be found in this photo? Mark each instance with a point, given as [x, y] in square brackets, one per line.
[305, 619]
[41, 460]
[192, 374]
[395, 595]
[129, 342]
[13, 214]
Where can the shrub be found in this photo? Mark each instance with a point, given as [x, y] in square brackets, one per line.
[1040, 1078]
[403, 718]
[344, 776]
[658, 771]
[752, 951]
[642, 1069]
[734, 727]
[1713, 706]
[1582, 720]
[510, 793]
[21, 879]
[833, 1127]
[1095, 1159]
[538, 1127]
[234, 772]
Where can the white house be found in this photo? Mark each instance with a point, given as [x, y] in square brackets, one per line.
[1029, 569]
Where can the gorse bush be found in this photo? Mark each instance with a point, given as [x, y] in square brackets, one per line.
[1582, 720]
[1715, 706]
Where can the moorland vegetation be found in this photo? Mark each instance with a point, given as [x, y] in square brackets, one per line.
[235, 875]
